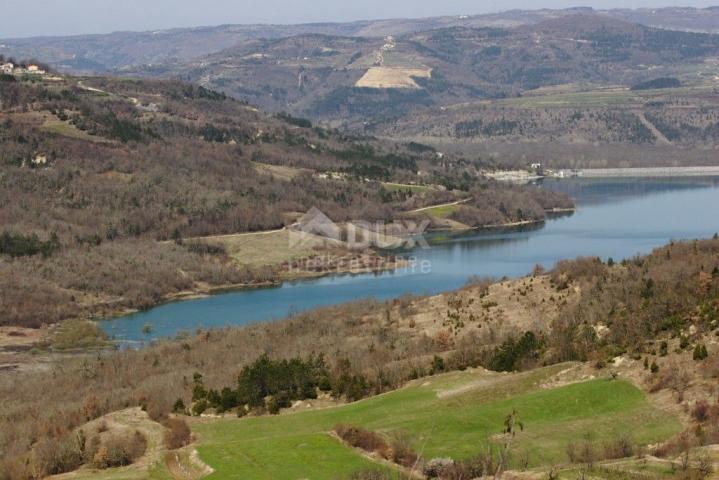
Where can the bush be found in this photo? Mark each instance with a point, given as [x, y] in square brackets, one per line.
[178, 434]
[437, 467]
[120, 450]
[74, 334]
[700, 352]
[52, 456]
[512, 354]
[402, 452]
[17, 245]
[621, 447]
[701, 411]
[199, 408]
[201, 248]
[179, 407]
[583, 452]
[363, 439]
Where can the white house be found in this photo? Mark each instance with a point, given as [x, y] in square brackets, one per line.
[7, 68]
[35, 70]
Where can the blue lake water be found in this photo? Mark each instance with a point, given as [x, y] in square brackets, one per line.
[617, 218]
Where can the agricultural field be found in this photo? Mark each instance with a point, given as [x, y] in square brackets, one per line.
[388, 77]
[451, 415]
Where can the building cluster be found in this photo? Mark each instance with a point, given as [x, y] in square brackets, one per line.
[11, 69]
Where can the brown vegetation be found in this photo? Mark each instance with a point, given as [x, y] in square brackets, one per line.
[397, 450]
[165, 161]
[178, 433]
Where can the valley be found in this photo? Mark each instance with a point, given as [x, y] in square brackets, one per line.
[454, 247]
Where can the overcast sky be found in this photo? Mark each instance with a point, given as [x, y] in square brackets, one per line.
[24, 18]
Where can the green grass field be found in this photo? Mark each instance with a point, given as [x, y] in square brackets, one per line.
[442, 212]
[450, 415]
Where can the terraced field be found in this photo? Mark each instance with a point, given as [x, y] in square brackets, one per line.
[451, 415]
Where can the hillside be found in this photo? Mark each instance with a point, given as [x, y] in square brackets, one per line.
[119, 194]
[575, 126]
[568, 89]
[101, 53]
[586, 350]
[324, 76]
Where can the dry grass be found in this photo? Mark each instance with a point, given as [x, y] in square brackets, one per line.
[267, 248]
[59, 127]
[280, 172]
[385, 77]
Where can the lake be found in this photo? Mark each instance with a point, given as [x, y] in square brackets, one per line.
[616, 218]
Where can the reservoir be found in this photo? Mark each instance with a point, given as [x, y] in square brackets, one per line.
[616, 218]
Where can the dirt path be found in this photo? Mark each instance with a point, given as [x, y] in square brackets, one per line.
[660, 136]
[186, 465]
[240, 235]
[424, 209]
[132, 100]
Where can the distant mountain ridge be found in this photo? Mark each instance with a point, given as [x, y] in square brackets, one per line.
[352, 79]
[100, 53]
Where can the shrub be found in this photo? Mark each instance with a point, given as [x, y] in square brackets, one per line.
[437, 467]
[17, 245]
[199, 408]
[513, 353]
[74, 334]
[120, 450]
[178, 434]
[402, 452]
[438, 365]
[52, 456]
[363, 439]
[201, 248]
[701, 411]
[700, 352]
[621, 447]
[179, 407]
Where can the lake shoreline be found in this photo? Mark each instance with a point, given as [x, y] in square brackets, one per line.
[608, 217]
[206, 291]
[647, 172]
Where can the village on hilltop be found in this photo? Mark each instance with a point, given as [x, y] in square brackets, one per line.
[10, 68]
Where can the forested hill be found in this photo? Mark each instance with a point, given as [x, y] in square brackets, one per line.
[358, 81]
[101, 180]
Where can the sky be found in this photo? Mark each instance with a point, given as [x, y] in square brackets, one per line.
[26, 18]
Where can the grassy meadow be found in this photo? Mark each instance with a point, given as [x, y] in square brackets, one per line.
[451, 415]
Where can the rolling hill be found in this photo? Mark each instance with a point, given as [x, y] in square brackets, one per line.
[101, 53]
[350, 80]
